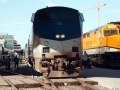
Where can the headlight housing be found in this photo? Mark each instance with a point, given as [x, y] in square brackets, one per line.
[75, 43]
[57, 36]
[62, 35]
[46, 43]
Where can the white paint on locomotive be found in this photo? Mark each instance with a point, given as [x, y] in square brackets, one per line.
[56, 48]
[100, 50]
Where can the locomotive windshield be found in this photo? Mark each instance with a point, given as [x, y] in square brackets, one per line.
[110, 32]
[66, 16]
[47, 16]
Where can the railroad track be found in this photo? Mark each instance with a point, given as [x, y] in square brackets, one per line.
[21, 82]
[33, 73]
[75, 84]
[14, 81]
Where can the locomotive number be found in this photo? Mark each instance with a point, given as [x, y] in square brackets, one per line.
[59, 23]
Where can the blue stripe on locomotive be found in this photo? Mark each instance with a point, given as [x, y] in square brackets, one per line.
[49, 28]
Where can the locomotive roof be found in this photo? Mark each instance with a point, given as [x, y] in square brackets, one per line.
[59, 7]
[117, 22]
[96, 29]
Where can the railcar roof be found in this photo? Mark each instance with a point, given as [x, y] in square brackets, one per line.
[117, 22]
[58, 9]
[96, 29]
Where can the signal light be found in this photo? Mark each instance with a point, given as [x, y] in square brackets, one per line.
[73, 36]
[46, 36]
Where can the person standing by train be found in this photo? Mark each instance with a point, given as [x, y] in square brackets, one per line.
[85, 58]
[16, 60]
[89, 63]
[8, 59]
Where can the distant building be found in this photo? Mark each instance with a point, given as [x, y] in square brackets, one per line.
[2, 41]
[17, 46]
[7, 41]
[15, 42]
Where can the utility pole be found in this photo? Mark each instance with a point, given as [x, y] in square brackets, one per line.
[98, 7]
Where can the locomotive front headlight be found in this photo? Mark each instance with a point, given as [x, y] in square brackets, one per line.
[46, 43]
[75, 43]
[63, 36]
[109, 26]
[57, 36]
[112, 26]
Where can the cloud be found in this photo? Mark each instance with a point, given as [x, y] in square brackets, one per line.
[3, 1]
[112, 11]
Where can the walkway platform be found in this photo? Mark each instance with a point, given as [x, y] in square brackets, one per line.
[24, 69]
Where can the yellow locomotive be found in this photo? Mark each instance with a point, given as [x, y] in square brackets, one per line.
[103, 43]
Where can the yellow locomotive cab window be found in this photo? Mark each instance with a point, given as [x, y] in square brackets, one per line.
[110, 32]
[88, 35]
[84, 36]
[94, 33]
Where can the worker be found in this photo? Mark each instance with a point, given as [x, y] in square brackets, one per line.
[16, 60]
[89, 64]
[7, 61]
[85, 58]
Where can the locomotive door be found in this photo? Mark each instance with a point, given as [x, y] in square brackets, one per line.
[99, 42]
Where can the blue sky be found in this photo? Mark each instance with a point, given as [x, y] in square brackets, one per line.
[20, 11]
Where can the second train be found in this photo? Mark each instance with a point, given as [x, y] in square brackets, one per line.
[103, 45]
